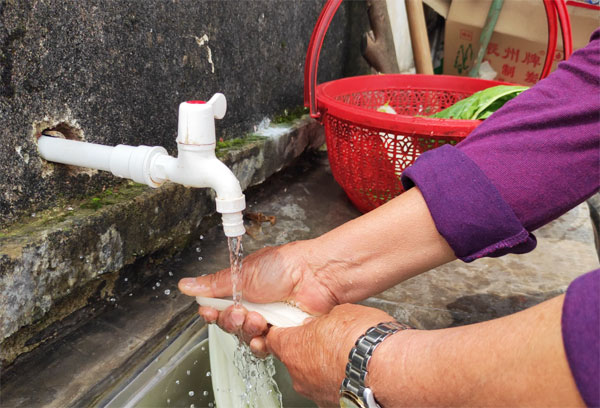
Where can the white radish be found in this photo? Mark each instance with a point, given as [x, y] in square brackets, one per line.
[278, 314]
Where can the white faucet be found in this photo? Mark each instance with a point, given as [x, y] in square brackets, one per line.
[195, 166]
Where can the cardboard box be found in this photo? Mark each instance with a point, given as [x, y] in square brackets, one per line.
[517, 49]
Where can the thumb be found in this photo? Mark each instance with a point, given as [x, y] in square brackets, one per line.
[216, 285]
[276, 338]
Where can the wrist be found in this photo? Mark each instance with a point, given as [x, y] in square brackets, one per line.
[389, 369]
[327, 267]
[362, 367]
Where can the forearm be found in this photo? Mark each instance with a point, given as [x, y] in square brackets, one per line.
[517, 360]
[378, 250]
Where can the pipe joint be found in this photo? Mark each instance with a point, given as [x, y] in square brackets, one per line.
[136, 163]
[225, 206]
[231, 214]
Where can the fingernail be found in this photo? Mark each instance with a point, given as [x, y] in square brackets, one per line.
[188, 283]
[257, 352]
[192, 285]
[207, 316]
[238, 318]
[209, 319]
[308, 320]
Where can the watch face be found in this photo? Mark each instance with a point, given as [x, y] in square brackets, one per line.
[350, 400]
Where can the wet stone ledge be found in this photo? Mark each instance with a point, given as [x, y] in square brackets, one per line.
[65, 258]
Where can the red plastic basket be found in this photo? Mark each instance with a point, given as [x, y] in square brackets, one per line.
[368, 150]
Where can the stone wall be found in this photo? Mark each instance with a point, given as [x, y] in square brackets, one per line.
[115, 72]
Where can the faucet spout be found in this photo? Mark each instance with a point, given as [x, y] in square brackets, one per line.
[197, 166]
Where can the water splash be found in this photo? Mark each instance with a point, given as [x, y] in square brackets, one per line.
[258, 376]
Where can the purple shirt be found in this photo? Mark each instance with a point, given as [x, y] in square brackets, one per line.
[527, 164]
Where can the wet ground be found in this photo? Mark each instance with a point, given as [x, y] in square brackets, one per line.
[78, 369]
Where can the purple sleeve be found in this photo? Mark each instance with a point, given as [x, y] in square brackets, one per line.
[542, 150]
[527, 164]
[581, 335]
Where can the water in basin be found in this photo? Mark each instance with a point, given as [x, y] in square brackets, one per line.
[179, 376]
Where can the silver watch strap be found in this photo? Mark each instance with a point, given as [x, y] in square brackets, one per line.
[361, 353]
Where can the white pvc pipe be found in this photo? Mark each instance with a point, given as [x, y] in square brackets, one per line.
[123, 161]
[75, 153]
[195, 166]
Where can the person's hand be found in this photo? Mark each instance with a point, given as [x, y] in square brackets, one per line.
[271, 274]
[316, 353]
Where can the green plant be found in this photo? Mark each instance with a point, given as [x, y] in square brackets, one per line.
[95, 203]
[481, 104]
[289, 115]
[224, 145]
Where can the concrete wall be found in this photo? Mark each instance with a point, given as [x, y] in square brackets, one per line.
[115, 71]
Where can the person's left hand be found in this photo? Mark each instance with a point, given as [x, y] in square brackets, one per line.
[316, 353]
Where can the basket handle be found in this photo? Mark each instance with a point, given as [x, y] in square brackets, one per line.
[312, 55]
[565, 28]
[553, 7]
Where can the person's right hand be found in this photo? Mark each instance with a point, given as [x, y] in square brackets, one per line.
[271, 274]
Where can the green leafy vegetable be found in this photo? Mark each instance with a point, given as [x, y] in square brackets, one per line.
[481, 104]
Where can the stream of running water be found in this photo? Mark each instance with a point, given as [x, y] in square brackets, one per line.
[256, 373]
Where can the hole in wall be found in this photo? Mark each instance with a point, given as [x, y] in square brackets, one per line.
[63, 130]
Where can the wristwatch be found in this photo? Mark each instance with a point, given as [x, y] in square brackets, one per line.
[353, 393]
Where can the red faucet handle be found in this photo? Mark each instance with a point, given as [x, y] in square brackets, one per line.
[197, 120]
